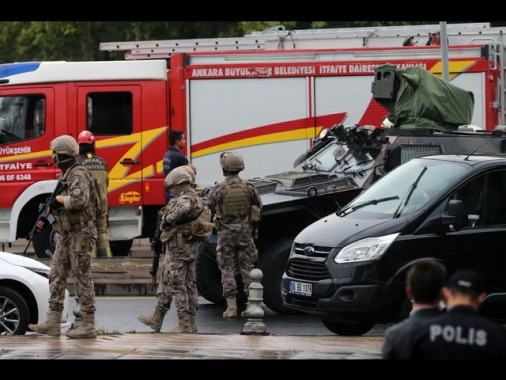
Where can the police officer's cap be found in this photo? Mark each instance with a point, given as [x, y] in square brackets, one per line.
[466, 280]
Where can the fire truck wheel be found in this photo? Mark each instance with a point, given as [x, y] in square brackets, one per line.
[209, 277]
[272, 262]
[44, 243]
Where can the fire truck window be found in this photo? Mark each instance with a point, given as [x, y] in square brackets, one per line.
[110, 113]
[11, 119]
[39, 118]
[18, 116]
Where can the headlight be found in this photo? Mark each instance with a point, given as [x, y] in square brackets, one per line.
[40, 271]
[366, 249]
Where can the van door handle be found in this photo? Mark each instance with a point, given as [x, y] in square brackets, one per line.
[129, 161]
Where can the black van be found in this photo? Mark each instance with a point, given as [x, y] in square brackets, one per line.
[350, 267]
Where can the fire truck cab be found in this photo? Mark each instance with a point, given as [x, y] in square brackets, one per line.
[120, 103]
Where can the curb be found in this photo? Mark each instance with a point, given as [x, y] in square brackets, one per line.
[116, 276]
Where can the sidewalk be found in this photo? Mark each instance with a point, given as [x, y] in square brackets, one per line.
[190, 346]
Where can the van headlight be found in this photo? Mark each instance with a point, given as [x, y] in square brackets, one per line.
[366, 249]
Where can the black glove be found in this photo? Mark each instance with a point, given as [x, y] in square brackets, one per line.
[54, 204]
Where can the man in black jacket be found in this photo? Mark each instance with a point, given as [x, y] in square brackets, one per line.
[461, 333]
[424, 284]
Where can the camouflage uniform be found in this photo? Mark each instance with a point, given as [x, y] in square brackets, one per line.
[99, 170]
[73, 249]
[163, 291]
[236, 250]
[74, 211]
[179, 262]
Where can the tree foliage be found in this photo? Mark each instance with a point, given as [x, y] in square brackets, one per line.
[79, 40]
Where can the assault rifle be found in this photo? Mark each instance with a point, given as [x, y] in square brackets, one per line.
[47, 217]
[156, 246]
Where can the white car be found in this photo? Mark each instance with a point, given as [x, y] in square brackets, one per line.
[24, 294]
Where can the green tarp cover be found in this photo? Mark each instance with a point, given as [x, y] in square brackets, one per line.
[423, 100]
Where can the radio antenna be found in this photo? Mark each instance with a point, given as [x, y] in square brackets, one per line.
[478, 148]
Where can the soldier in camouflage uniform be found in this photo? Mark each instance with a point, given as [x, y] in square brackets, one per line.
[100, 171]
[74, 210]
[181, 249]
[237, 207]
[164, 292]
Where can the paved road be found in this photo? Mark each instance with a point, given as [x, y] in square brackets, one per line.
[119, 314]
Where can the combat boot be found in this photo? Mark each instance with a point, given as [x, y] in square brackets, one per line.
[246, 313]
[86, 328]
[231, 311]
[183, 325]
[193, 324]
[51, 326]
[154, 321]
[101, 252]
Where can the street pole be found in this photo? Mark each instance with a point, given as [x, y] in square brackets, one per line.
[444, 51]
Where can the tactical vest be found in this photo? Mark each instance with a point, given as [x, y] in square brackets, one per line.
[98, 169]
[236, 201]
[75, 220]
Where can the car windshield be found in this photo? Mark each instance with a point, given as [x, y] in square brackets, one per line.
[324, 160]
[408, 188]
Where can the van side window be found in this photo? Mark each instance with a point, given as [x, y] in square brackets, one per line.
[495, 202]
[110, 113]
[483, 199]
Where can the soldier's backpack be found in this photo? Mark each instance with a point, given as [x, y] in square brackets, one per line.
[197, 226]
[201, 228]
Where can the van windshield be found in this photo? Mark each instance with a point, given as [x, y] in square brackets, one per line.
[408, 188]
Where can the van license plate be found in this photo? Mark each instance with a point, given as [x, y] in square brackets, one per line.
[301, 288]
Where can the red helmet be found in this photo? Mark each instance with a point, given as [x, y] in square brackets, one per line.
[86, 137]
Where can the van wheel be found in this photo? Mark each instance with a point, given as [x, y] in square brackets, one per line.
[44, 243]
[209, 277]
[121, 247]
[272, 263]
[348, 329]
